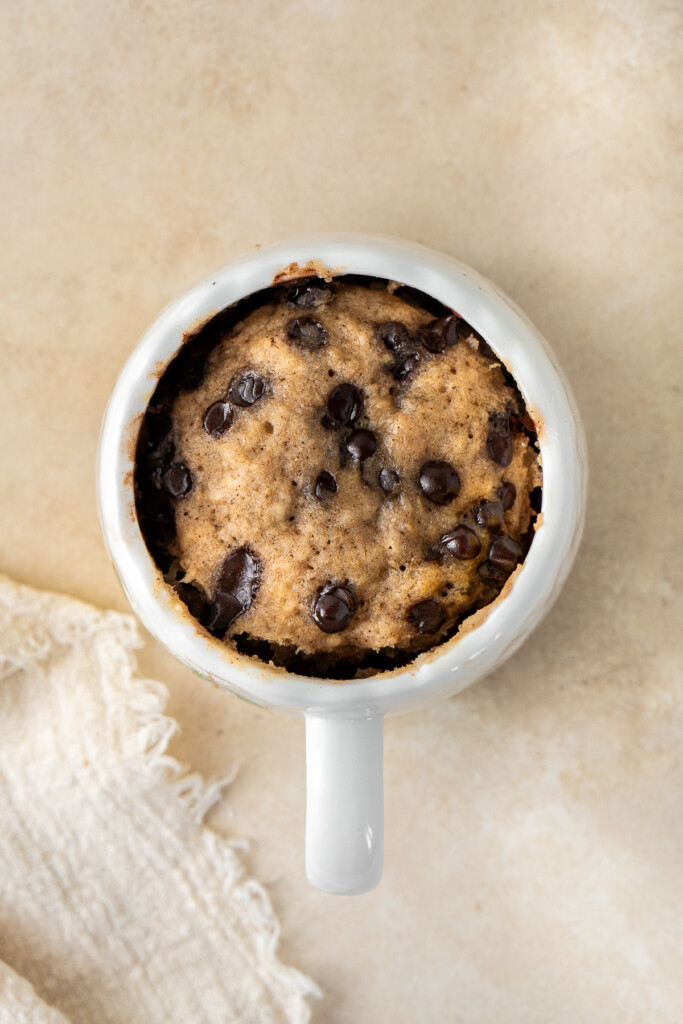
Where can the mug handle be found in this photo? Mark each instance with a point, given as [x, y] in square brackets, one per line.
[344, 802]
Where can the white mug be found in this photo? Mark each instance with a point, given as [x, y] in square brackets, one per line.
[344, 812]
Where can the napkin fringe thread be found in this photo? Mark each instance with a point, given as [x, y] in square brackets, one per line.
[67, 622]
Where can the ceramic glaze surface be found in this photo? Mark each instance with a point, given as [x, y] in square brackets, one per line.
[446, 669]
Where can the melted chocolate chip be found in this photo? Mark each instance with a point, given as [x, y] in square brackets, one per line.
[222, 612]
[325, 484]
[388, 480]
[333, 607]
[235, 592]
[490, 515]
[246, 388]
[309, 294]
[307, 333]
[361, 444]
[218, 418]
[507, 494]
[393, 334]
[239, 575]
[344, 405]
[505, 553]
[462, 542]
[439, 334]
[499, 447]
[536, 499]
[406, 365]
[193, 599]
[177, 480]
[427, 616]
[439, 482]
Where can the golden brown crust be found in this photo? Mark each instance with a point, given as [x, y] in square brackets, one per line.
[254, 486]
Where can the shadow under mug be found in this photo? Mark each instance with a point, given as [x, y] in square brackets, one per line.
[344, 806]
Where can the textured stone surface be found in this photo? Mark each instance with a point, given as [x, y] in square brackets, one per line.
[534, 828]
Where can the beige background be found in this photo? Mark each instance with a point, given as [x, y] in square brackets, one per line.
[534, 824]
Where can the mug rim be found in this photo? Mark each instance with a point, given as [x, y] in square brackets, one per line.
[448, 667]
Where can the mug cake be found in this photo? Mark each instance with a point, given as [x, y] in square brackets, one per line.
[335, 473]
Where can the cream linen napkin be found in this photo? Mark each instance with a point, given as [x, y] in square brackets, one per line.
[116, 902]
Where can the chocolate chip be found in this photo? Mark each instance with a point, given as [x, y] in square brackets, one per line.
[432, 342]
[499, 442]
[449, 327]
[406, 365]
[307, 333]
[536, 499]
[490, 515]
[246, 388]
[325, 484]
[492, 575]
[439, 334]
[222, 612]
[309, 294]
[505, 553]
[161, 455]
[499, 447]
[192, 598]
[507, 494]
[361, 444]
[427, 616]
[235, 591]
[439, 482]
[421, 300]
[239, 575]
[333, 607]
[218, 418]
[344, 405]
[462, 542]
[388, 480]
[393, 334]
[177, 480]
